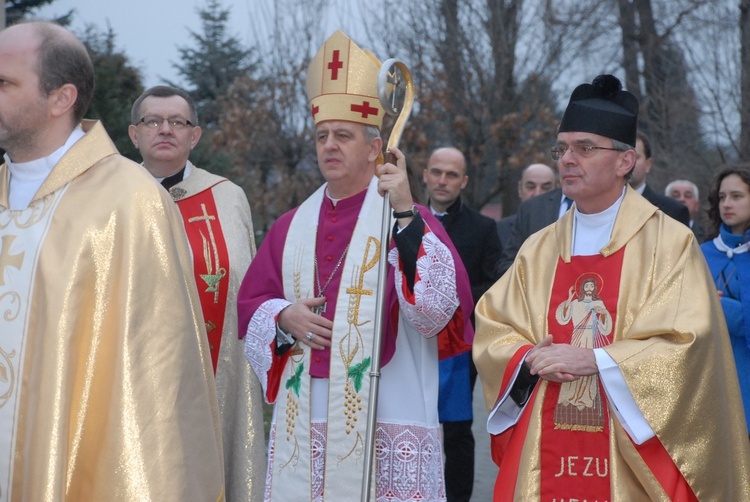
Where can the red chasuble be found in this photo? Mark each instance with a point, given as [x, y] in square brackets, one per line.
[210, 262]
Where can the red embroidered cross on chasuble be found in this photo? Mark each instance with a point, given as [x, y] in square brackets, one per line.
[210, 263]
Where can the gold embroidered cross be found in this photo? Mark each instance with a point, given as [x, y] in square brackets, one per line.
[204, 217]
[358, 291]
[7, 259]
[210, 278]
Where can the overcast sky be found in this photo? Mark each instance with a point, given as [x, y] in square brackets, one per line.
[149, 31]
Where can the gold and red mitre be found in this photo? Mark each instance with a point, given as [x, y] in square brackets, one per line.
[342, 83]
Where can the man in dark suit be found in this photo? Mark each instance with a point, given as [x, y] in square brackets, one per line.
[476, 240]
[536, 179]
[533, 215]
[638, 177]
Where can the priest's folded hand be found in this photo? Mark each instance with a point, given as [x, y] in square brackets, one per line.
[305, 325]
[561, 362]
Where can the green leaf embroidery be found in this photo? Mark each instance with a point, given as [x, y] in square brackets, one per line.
[357, 373]
[296, 380]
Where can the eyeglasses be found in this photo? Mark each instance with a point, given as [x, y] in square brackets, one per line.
[155, 121]
[584, 151]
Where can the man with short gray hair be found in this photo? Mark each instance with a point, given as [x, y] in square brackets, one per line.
[307, 308]
[686, 192]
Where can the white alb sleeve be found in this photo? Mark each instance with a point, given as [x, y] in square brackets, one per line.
[619, 396]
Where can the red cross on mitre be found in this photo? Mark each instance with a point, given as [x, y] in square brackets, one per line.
[335, 65]
[365, 109]
[315, 110]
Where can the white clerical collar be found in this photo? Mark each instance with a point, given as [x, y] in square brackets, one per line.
[591, 232]
[333, 201]
[26, 177]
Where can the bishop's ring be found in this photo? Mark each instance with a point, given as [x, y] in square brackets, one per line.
[309, 336]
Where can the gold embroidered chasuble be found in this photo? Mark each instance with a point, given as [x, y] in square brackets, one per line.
[237, 387]
[106, 391]
[669, 341]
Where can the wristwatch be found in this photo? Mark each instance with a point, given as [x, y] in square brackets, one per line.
[406, 214]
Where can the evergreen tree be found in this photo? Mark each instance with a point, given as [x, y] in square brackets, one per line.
[118, 85]
[15, 10]
[213, 64]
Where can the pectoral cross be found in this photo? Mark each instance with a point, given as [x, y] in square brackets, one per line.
[319, 309]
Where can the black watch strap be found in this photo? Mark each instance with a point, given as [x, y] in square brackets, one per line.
[406, 214]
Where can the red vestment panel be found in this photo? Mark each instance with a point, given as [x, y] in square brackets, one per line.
[210, 262]
[575, 424]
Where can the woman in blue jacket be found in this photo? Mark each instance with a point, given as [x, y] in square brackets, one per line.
[729, 261]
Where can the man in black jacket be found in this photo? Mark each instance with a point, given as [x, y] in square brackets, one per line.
[536, 179]
[638, 177]
[532, 215]
[476, 240]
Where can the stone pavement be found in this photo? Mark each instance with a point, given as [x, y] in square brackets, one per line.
[485, 470]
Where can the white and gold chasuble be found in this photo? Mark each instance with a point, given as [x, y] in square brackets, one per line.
[237, 387]
[408, 389]
[23, 233]
[106, 390]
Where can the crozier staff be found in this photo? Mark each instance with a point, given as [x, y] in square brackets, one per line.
[307, 306]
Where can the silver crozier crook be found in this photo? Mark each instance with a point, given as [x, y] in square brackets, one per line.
[396, 94]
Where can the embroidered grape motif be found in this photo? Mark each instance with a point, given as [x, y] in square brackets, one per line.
[292, 405]
[353, 400]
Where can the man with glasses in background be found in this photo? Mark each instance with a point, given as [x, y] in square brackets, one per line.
[602, 348]
[216, 217]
